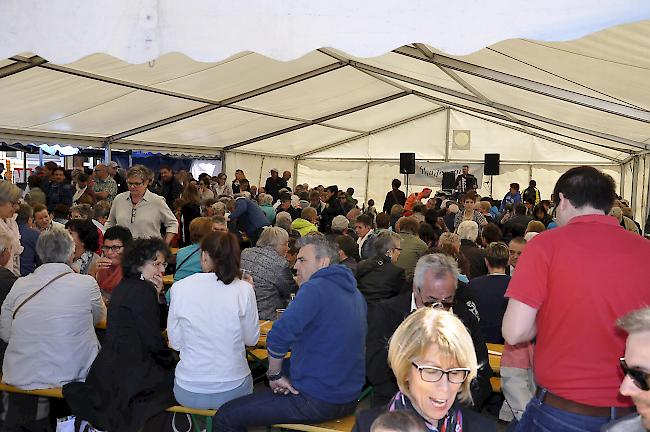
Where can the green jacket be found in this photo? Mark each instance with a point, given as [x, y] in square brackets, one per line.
[303, 226]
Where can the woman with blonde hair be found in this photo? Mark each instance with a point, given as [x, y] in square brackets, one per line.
[432, 356]
[9, 204]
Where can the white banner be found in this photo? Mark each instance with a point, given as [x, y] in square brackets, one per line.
[430, 173]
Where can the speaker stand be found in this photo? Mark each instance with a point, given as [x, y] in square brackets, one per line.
[491, 181]
[406, 178]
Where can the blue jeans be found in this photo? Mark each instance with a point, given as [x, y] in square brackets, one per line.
[267, 408]
[540, 417]
[211, 400]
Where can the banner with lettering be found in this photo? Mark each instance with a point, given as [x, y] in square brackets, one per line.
[430, 173]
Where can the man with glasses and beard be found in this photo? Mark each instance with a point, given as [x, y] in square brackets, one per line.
[435, 283]
[570, 286]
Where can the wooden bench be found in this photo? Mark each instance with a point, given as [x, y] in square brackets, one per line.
[495, 351]
[344, 424]
[58, 393]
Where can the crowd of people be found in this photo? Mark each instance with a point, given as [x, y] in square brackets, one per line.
[403, 300]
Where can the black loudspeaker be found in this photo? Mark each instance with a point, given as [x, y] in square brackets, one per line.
[407, 163]
[491, 166]
[448, 180]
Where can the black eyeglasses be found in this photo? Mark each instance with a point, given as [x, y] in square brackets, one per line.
[112, 248]
[446, 303]
[434, 374]
[639, 378]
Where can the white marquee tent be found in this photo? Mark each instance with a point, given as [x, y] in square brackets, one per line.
[543, 102]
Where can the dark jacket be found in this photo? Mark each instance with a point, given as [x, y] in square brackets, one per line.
[59, 193]
[324, 327]
[293, 212]
[394, 196]
[384, 318]
[171, 191]
[189, 212]
[249, 216]
[28, 258]
[121, 183]
[476, 258]
[472, 422]
[379, 279]
[273, 186]
[515, 227]
[132, 377]
[487, 292]
[332, 210]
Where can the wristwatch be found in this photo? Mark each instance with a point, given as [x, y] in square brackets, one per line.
[274, 377]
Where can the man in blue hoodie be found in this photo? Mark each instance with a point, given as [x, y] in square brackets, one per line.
[324, 327]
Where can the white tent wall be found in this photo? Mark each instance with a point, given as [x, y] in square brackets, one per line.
[256, 167]
[344, 174]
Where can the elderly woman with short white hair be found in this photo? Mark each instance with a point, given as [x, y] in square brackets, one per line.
[267, 264]
[10, 195]
[48, 319]
[432, 356]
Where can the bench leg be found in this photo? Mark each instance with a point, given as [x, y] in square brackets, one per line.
[208, 424]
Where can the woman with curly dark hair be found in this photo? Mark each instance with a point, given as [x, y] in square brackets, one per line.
[132, 378]
[86, 241]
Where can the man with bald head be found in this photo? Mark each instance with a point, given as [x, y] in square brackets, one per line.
[105, 187]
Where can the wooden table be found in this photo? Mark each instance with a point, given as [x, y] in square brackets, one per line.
[168, 280]
[265, 327]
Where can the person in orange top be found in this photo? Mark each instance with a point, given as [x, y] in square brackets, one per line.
[415, 198]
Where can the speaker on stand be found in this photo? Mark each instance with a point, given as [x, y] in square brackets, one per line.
[491, 167]
[407, 167]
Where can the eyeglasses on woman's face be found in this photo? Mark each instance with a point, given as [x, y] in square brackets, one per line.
[435, 374]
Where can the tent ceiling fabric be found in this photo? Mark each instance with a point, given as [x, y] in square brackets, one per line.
[211, 31]
[585, 100]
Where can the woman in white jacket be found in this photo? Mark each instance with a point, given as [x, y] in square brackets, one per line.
[212, 318]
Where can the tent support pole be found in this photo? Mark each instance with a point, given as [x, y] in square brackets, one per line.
[222, 154]
[107, 151]
[130, 159]
[447, 133]
[40, 156]
[635, 183]
[365, 195]
[646, 222]
[621, 186]
[295, 173]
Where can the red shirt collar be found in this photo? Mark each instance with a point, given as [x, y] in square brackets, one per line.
[598, 218]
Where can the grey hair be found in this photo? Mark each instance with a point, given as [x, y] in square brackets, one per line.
[636, 321]
[101, 209]
[468, 230]
[386, 241]
[340, 223]
[267, 199]
[5, 242]
[273, 237]
[84, 210]
[141, 171]
[439, 265]
[55, 246]
[219, 208]
[322, 247]
[9, 192]
[283, 220]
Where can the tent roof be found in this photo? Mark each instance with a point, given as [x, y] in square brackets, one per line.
[585, 100]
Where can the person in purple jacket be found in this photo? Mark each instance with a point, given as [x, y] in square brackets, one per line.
[324, 327]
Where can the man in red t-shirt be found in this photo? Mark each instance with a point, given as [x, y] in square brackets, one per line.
[571, 285]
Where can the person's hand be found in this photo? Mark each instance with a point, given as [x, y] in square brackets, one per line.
[283, 386]
[246, 276]
[103, 263]
[157, 280]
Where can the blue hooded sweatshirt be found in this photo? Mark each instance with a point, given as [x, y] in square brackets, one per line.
[325, 328]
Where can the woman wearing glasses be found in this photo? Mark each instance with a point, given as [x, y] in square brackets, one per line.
[109, 266]
[432, 356]
[9, 204]
[140, 210]
[132, 378]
